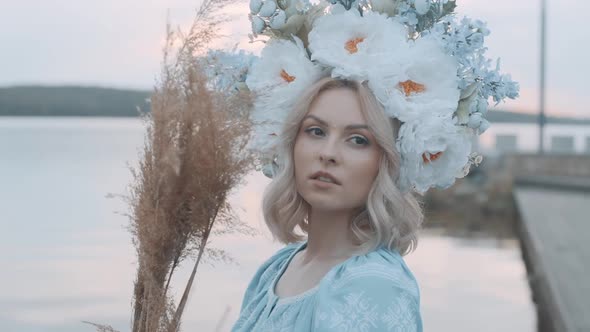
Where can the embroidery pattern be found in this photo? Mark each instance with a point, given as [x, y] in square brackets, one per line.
[357, 313]
[401, 315]
[377, 270]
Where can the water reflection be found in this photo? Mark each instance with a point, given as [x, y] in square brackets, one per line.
[66, 256]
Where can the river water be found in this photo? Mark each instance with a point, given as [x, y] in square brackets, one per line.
[66, 256]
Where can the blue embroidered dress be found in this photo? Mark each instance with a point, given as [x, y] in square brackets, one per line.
[367, 293]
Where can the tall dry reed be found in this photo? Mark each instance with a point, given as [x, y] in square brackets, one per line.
[194, 155]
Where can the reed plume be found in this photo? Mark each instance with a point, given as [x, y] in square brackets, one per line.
[194, 155]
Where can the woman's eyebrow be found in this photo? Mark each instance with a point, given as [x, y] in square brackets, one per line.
[349, 127]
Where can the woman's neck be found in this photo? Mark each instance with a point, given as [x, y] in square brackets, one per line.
[329, 236]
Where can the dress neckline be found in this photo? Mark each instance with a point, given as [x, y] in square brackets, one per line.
[300, 296]
[290, 299]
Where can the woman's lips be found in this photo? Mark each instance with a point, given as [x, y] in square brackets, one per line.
[323, 184]
[326, 175]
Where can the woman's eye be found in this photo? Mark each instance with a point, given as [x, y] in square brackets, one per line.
[360, 140]
[315, 131]
[318, 132]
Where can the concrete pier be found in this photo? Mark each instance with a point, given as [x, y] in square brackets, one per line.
[554, 229]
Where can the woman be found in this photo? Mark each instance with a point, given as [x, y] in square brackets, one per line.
[336, 181]
[359, 105]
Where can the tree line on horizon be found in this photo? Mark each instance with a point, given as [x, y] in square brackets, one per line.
[72, 101]
[110, 102]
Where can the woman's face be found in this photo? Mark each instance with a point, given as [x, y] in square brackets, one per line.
[334, 138]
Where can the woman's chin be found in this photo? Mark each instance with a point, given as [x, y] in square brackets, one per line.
[321, 204]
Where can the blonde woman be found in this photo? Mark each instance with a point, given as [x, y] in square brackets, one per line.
[360, 105]
[336, 181]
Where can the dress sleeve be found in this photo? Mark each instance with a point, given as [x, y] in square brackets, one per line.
[368, 303]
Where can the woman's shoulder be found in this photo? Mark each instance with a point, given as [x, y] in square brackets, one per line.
[271, 266]
[382, 266]
[376, 290]
[264, 275]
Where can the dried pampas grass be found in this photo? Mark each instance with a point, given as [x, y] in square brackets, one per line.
[193, 157]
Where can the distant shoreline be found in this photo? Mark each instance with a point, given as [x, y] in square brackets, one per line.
[83, 101]
[72, 101]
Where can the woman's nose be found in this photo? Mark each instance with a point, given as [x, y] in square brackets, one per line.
[327, 158]
[328, 153]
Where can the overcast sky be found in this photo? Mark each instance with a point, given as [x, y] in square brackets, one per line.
[118, 44]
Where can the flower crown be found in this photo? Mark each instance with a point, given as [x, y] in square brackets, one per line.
[427, 69]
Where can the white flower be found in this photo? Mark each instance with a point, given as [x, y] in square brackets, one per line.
[352, 44]
[265, 138]
[283, 69]
[424, 86]
[434, 150]
[278, 78]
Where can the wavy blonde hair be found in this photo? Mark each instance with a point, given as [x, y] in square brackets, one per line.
[390, 218]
